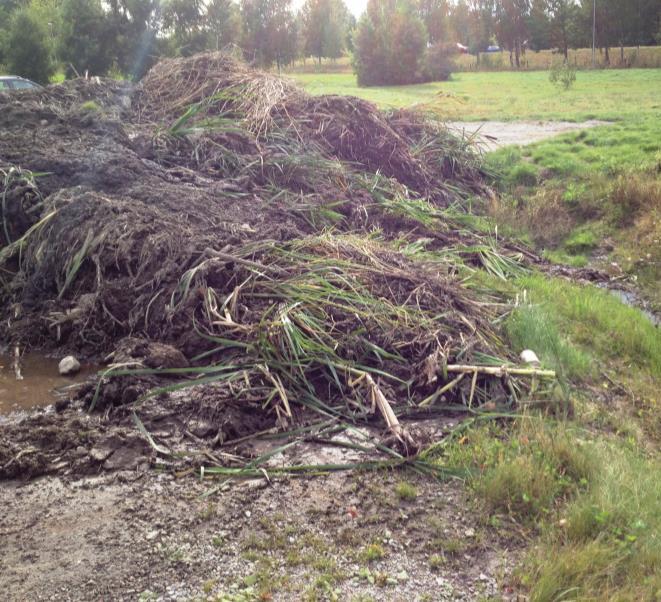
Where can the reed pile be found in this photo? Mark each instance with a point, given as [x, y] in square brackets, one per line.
[293, 253]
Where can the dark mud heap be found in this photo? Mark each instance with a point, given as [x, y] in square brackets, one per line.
[218, 227]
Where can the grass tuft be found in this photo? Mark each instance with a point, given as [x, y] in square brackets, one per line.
[405, 491]
[594, 320]
[609, 548]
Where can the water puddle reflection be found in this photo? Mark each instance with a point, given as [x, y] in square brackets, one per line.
[42, 384]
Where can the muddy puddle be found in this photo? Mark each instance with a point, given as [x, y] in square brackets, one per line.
[632, 300]
[41, 385]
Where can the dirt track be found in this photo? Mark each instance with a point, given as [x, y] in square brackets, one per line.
[136, 536]
[496, 134]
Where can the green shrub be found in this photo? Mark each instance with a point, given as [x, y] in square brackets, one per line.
[581, 240]
[631, 195]
[563, 75]
[524, 472]
[439, 63]
[523, 174]
[609, 548]
[405, 491]
[27, 52]
[373, 552]
[389, 44]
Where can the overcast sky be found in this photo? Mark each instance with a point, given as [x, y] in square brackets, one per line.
[355, 6]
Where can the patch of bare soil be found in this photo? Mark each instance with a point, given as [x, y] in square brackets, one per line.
[491, 135]
[139, 536]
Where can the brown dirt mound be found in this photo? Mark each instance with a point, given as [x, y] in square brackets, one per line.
[403, 146]
[249, 226]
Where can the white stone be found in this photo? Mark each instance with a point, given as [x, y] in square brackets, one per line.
[528, 356]
[68, 365]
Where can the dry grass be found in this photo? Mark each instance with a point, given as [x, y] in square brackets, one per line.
[633, 195]
[643, 57]
[634, 57]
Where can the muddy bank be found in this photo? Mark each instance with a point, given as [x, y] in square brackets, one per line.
[41, 383]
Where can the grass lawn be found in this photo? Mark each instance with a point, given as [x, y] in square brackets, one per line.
[594, 193]
[607, 150]
[608, 95]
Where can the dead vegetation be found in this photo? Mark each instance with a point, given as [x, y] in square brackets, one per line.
[290, 253]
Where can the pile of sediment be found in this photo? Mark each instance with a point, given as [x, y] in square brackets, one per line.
[218, 227]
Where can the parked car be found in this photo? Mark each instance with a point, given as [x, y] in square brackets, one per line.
[14, 82]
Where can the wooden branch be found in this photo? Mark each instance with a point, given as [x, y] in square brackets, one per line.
[209, 252]
[378, 400]
[501, 371]
[473, 385]
[432, 398]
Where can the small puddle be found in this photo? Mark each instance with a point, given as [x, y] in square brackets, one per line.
[41, 386]
[632, 300]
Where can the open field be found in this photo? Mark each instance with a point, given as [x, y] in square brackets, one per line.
[607, 95]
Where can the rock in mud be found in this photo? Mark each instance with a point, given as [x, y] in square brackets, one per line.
[159, 355]
[69, 366]
[150, 353]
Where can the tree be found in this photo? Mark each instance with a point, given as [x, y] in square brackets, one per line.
[460, 22]
[185, 21]
[434, 14]
[482, 22]
[562, 14]
[133, 25]
[224, 23]
[269, 32]
[84, 40]
[539, 25]
[41, 11]
[512, 26]
[611, 24]
[389, 44]
[324, 28]
[27, 52]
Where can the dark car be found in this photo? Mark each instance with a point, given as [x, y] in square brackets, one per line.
[13, 82]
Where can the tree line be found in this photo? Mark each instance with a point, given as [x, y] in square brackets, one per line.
[394, 41]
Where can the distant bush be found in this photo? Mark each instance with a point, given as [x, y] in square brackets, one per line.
[439, 62]
[563, 75]
[631, 195]
[524, 174]
[390, 48]
[27, 51]
[488, 62]
[389, 45]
